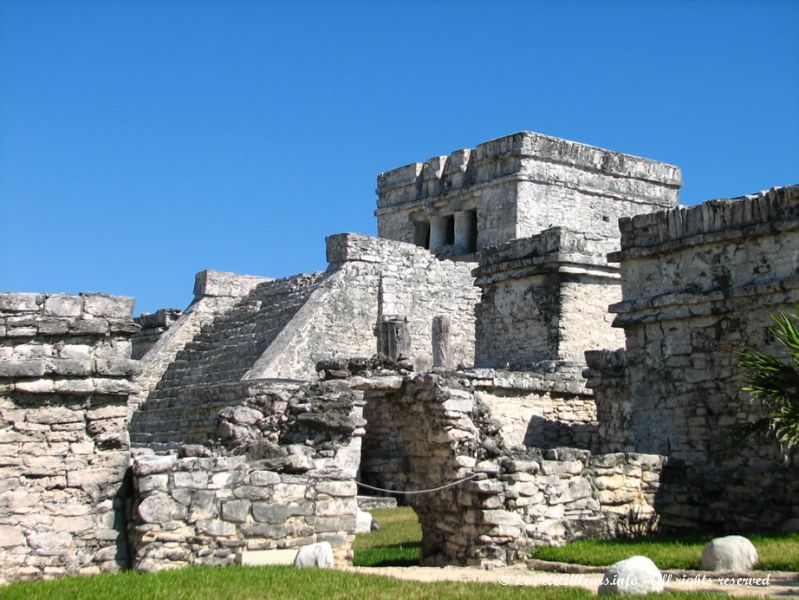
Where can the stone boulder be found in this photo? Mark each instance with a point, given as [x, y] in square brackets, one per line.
[318, 555]
[730, 553]
[633, 576]
[363, 522]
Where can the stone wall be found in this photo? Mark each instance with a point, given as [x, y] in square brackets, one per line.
[368, 279]
[545, 298]
[518, 497]
[517, 186]
[608, 378]
[153, 326]
[264, 465]
[65, 377]
[699, 286]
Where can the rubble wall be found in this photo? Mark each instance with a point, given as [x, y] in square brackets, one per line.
[65, 378]
[265, 465]
[699, 286]
[516, 498]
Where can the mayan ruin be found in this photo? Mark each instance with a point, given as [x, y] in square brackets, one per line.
[539, 323]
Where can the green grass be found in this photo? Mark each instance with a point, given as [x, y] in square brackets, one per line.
[278, 583]
[397, 543]
[777, 552]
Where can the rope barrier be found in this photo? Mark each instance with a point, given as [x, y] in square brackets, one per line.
[411, 492]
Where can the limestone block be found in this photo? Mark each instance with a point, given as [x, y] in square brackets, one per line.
[20, 302]
[236, 511]
[22, 368]
[730, 553]
[50, 543]
[150, 483]
[39, 386]
[159, 508]
[633, 576]
[258, 478]
[62, 305]
[337, 488]
[215, 527]
[11, 536]
[315, 555]
[103, 305]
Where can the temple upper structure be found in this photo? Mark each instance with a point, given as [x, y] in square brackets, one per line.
[517, 186]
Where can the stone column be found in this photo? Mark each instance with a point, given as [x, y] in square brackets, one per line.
[442, 355]
[438, 233]
[393, 339]
[464, 225]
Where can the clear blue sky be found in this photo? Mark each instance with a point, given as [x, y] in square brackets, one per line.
[141, 142]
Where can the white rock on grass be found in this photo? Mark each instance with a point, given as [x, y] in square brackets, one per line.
[318, 555]
[731, 553]
[363, 522]
[633, 576]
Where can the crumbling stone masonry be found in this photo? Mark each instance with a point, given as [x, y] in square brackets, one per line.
[65, 378]
[520, 497]
[276, 469]
[699, 285]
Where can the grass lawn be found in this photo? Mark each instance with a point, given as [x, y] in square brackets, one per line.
[278, 583]
[396, 544]
[777, 552]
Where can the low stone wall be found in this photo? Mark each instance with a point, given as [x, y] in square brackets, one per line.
[217, 511]
[65, 378]
[264, 465]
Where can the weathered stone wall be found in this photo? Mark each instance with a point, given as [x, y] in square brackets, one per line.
[520, 497]
[545, 409]
[153, 326]
[517, 186]
[607, 376]
[266, 465]
[545, 298]
[65, 377]
[370, 278]
[699, 286]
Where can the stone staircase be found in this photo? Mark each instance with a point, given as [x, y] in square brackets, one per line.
[226, 348]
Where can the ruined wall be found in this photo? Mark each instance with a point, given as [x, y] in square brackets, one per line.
[65, 377]
[518, 186]
[153, 326]
[608, 378]
[700, 285]
[520, 497]
[369, 278]
[264, 465]
[545, 298]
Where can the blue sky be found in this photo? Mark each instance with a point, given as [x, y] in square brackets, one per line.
[141, 142]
